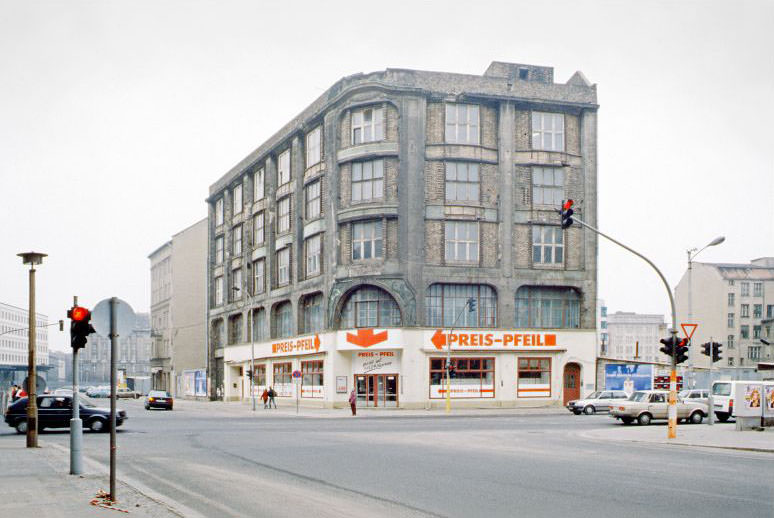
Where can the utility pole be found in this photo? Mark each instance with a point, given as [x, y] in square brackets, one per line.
[76, 425]
[113, 353]
[32, 258]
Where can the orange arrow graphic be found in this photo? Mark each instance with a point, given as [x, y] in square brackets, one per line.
[316, 342]
[366, 337]
[438, 339]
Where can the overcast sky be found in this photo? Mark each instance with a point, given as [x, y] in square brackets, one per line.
[115, 118]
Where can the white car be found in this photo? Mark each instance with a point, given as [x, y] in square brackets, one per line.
[599, 401]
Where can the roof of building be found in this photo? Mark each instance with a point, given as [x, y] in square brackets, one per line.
[758, 270]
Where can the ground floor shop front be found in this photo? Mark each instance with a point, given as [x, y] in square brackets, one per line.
[406, 368]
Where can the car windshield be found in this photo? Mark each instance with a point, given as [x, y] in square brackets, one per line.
[639, 396]
[593, 395]
[683, 394]
[86, 401]
[721, 389]
[157, 393]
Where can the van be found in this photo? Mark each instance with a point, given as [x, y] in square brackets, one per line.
[723, 397]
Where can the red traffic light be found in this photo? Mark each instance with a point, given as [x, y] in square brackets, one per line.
[79, 314]
[567, 204]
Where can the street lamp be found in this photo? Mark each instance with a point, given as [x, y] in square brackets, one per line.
[252, 343]
[32, 258]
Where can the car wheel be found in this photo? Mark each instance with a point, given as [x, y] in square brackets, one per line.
[627, 420]
[21, 426]
[97, 425]
[644, 419]
[722, 416]
[589, 410]
[697, 417]
[576, 412]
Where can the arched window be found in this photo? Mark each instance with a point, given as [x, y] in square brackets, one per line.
[547, 307]
[311, 306]
[369, 306]
[283, 320]
[447, 305]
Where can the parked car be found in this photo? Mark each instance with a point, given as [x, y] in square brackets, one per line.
[63, 392]
[158, 399]
[598, 401]
[646, 405]
[694, 396]
[124, 393]
[56, 411]
[98, 392]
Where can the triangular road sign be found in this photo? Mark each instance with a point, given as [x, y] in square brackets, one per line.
[689, 329]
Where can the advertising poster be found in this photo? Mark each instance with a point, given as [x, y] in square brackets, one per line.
[188, 383]
[200, 381]
[620, 376]
[463, 390]
[768, 400]
[341, 384]
[748, 399]
[752, 396]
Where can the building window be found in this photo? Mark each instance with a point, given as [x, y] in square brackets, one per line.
[367, 125]
[547, 131]
[283, 220]
[282, 379]
[236, 285]
[730, 300]
[369, 306]
[547, 186]
[448, 303]
[312, 379]
[770, 311]
[313, 149]
[259, 378]
[313, 200]
[543, 307]
[259, 185]
[313, 251]
[730, 341]
[219, 250]
[547, 245]
[534, 377]
[745, 313]
[219, 212]
[756, 332]
[730, 322]
[283, 168]
[367, 180]
[283, 266]
[237, 198]
[730, 362]
[313, 315]
[744, 331]
[754, 352]
[236, 240]
[462, 181]
[259, 276]
[218, 291]
[259, 326]
[235, 329]
[745, 289]
[367, 240]
[462, 124]
[472, 378]
[283, 320]
[461, 241]
[757, 289]
[259, 229]
[757, 310]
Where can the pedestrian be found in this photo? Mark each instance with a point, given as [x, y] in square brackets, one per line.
[21, 393]
[352, 401]
[14, 390]
[265, 397]
[272, 395]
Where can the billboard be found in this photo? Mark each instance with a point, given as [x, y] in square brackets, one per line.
[621, 376]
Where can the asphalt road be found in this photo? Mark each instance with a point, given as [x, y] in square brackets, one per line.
[219, 464]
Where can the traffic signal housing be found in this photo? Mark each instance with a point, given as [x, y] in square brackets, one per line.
[669, 345]
[80, 327]
[681, 351]
[249, 374]
[707, 349]
[566, 213]
[471, 305]
[716, 350]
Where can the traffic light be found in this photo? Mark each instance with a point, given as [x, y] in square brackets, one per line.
[249, 374]
[566, 213]
[452, 371]
[669, 345]
[681, 352]
[707, 349]
[716, 350]
[80, 328]
[471, 305]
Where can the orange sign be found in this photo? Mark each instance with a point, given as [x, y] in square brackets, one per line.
[366, 337]
[692, 327]
[310, 344]
[458, 339]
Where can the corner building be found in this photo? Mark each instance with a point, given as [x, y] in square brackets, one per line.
[347, 245]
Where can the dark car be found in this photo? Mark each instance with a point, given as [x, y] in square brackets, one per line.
[55, 411]
[158, 399]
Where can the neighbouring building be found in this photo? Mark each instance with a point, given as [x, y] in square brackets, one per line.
[635, 336]
[133, 354]
[732, 304]
[603, 339]
[61, 364]
[179, 313]
[348, 246]
[14, 344]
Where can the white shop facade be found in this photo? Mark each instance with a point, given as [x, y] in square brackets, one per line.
[405, 367]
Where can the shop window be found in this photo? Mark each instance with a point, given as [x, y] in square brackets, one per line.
[534, 377]
[283, 382]
[283, 320]
[369, 306]
[447, 305]
[471, 378]
[259, 378]
[312, 380]
[543, 307]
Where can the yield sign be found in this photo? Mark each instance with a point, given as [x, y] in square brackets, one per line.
[688, 329]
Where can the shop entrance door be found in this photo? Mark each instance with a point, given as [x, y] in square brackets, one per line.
[377, 390]
[571, 382]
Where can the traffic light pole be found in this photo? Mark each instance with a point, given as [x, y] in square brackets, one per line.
[672, 430]
[113, 353]
[76, 425]
[710, 402]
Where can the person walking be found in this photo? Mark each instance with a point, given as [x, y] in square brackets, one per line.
[14, 390]
[265, 397]
[352, 401]
[272, 395]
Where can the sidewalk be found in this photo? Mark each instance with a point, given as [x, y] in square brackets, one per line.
[288, 409]
[36, 482]
[720, 435]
